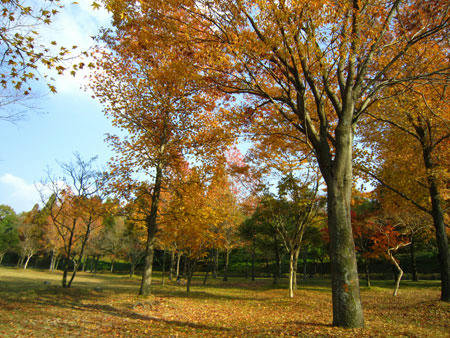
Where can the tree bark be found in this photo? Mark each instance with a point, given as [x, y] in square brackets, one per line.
[412, 251]
[367, 272]
[291, 274]
[253, 259]
[151, 223]
[26, 262]
[178, 265]
[163, 267]
[216, 263]
[225, 269]
[439, 225]
[347, 309]
[172, 263]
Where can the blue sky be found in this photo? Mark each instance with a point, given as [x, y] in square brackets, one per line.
[67, 122]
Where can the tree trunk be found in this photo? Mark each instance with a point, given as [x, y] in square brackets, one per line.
[148, 269]
[52, 261]
[97, 258]
[253, 260]
[399, 270]
[190, 268]
[305, 263]
[172, 263]
[439, 225]
[163, 267]
[367, 272]
[216, 263]
[151, 223]
[347, 309]
[178, 265]
[296, 254]
[132, 267]
[112, 265]
[26, 263]
[225, 269]
[277, 265]
[412, 252]
[206, 277]
[1, 257]
[291, 274]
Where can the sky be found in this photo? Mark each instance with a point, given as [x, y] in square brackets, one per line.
[59, 124]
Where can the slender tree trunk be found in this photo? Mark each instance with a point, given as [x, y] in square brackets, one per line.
[52, 261]
[206, 276]
[439, 225]
[412, 252]
[296, 254]
[367, 272]
[1, 257]
[253, 260]
[216, 263]
[163, 267]
[132, 267]
[305, 263]
[277, 265]
[178, 265]
[83, 267]
[97, 258]
[172, 263]
[58, 259]
[291, 274]
[225, 269]
[26, 262]
[399, 271]
[112, 265]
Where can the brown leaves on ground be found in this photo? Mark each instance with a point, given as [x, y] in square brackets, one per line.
[29, 308]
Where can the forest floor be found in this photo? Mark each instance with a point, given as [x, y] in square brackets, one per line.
[33, 304]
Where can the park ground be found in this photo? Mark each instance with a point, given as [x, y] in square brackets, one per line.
[32, 304]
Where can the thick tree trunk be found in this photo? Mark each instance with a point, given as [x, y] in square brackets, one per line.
[439, 225]
[151, 223]
[190, 268]
[347, 309]
[146, 282]
[225, 269]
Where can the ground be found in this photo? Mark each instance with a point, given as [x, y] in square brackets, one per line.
[32, 304]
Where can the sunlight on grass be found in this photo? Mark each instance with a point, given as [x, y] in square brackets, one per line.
[106, 304]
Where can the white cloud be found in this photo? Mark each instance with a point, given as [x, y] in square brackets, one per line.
[17, 193]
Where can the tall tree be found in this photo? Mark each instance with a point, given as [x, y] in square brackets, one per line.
[8, 230]
[409, 136]
[316, 66]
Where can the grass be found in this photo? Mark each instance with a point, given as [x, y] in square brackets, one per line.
[107, 305]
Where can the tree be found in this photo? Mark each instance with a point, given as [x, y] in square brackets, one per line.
[30, 235]
[317, 67]
[411, 158]
[164, 118]
[75, 210]
[8, 230]
[24, 54]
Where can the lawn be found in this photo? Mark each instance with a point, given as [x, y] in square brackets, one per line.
[32, 304]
